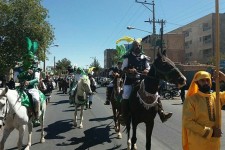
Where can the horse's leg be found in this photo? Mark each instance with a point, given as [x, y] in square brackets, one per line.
[128, 133]
[114, 115]
[134, 136]
[75, 116]
[118, 124]
[30, 128]
[21, 135]
[42, 140]
[81, 116]
[149, 128]
[5, 135]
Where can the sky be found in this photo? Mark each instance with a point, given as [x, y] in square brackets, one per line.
[85, 28]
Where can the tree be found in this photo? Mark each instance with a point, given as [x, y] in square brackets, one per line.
[21, 19]
[62, 65]
[95, 64]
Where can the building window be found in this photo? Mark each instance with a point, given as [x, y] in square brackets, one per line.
[205, 27]
[207, 52]
[187, 44]
[207, 39]
[186, 33]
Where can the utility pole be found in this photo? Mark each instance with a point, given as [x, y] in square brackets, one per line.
[54, 66]
[162, 22]
[153, 42]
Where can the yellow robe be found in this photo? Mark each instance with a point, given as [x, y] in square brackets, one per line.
[198, 120]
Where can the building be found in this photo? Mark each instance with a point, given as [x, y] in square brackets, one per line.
[173, 44]
[109, 58]
[200, 39]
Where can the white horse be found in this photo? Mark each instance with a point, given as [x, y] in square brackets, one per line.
[83, 90]
[16, 116]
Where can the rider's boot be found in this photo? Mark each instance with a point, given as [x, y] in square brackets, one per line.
[163, 116]
[36, 121]
[124, 112]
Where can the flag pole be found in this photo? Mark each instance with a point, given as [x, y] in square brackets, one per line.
[217, 50]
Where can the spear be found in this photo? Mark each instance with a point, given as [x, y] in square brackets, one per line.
[217, 48]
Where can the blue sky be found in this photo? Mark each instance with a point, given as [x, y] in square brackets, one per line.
[85, 28]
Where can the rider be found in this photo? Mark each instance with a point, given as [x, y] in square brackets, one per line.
[114, 72]
[109, 88]
[30, 79]
[136, 62]
[93, 89]
[78, 74]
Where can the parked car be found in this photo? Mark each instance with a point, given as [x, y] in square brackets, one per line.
[104, 81]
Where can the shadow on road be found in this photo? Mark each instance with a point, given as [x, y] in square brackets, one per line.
[93, 136]
[101, 119]
[177, 104]
[55, 129]
[60, 102]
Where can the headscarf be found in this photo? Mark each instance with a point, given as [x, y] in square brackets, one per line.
[81, 70]
[193, 88]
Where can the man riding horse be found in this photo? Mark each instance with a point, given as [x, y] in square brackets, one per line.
[29, 78]
[77, 72]
[136, 67]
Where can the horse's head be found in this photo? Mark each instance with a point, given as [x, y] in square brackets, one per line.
[3, 105]
[86, 84]
[163, 68]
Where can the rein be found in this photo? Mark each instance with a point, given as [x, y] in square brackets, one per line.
[6, 111]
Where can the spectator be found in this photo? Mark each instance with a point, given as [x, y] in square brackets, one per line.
[182, 93]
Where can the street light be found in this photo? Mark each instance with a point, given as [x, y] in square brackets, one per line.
[56, 45]
[131, 28]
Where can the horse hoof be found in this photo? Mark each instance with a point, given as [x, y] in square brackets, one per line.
[135, 146]
[129, 145]
[119, 135]
[81, 126]
[42, 140]
[75, 124]
[27, 148]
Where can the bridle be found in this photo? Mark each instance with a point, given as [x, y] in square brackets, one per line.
[166, 74]
[4, 114]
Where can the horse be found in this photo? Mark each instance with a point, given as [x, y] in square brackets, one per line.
[81, 95]
[143, 99]
[115, 99]
[17, 116]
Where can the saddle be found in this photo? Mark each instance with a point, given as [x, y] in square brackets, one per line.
[27, 101]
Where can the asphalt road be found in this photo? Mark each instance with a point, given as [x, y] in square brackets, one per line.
[98, 132]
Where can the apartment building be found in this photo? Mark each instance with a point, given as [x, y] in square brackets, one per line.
[108, 58]
[173, 44]
[199, 38]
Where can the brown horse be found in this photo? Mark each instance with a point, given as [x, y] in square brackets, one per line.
[115, 99]
[143, 99]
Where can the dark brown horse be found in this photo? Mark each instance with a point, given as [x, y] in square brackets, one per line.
[115, 99]
[143, 107]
